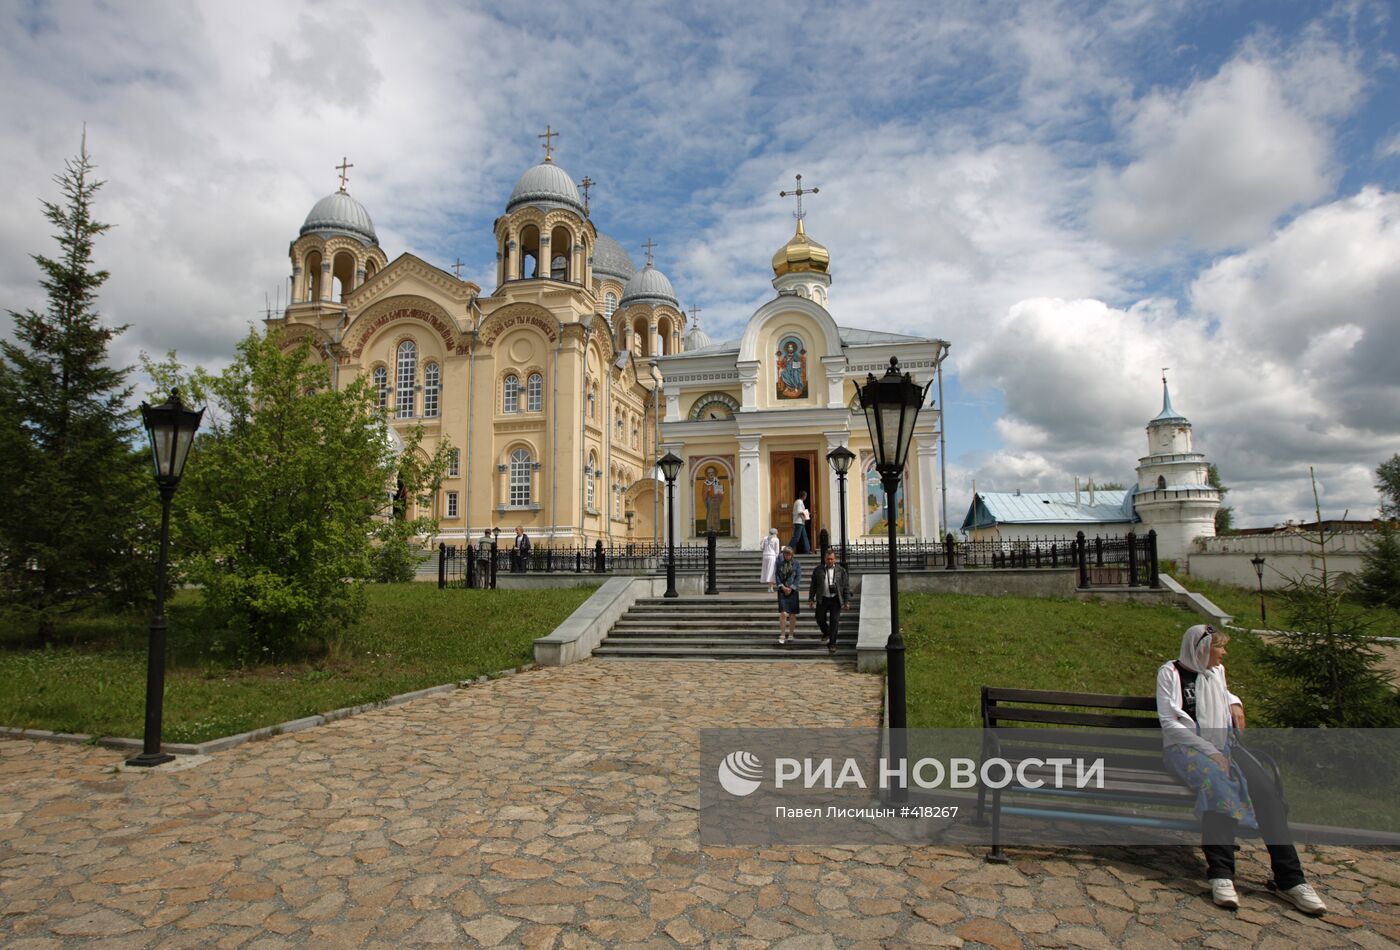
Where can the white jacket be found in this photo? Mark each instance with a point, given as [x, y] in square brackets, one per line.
[1177, 727]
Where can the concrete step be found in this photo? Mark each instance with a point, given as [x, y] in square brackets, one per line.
[775, 652]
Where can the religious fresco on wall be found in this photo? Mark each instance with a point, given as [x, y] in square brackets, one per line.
[792, 367]
[713, 497]
[873, 507]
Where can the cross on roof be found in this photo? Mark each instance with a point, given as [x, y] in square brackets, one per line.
[344, 167]
[457, 268]
[1164, 373]
[586, 184]
[799, 214]
[549, 135]
[650, 245]
[695, 316]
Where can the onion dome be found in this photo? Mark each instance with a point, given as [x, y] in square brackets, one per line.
[800, 254]
[610, 260]
[546, 186]
[648, 286]
[338, 213]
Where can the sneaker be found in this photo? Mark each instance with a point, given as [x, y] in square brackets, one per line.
[1222, 891]
[1303, 897]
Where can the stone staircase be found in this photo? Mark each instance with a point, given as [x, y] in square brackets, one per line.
[739, 623]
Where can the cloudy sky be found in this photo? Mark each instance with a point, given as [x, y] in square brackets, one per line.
[1074, 195]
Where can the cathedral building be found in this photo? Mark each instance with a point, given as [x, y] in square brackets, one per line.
[560, 388]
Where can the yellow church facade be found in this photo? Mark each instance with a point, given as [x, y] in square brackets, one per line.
[560, 388]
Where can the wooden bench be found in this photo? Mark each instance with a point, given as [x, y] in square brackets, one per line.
[1138, 789]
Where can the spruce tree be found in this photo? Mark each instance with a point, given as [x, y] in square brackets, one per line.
[1224, 515]
[72, 508]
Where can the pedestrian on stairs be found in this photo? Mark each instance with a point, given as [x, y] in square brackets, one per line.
[789, 577]
[800, 542]
[830, 593]
[771, 547]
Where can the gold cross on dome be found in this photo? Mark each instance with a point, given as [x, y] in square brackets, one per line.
[457, 268]
[549, 135]
[344, 167]
[799, 214]
[650, 245]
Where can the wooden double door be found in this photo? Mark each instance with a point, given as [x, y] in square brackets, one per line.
[790, 473]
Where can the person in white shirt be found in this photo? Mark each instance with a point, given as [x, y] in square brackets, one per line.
[769, 551]
[800, 543]
[1201, 720]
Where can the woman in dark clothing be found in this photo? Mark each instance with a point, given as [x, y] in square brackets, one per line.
[789, 580]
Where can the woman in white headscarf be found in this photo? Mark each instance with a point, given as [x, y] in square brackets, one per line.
[1201, 720]
[771, 547]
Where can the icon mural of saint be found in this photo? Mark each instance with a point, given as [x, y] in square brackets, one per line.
[792, 368]
[711, 512]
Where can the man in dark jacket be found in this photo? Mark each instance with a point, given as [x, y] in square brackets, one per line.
[520, 557]
[830, 592]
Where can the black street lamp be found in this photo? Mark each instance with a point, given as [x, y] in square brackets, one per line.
[891, 405]
[1258, 563]
[170, 428]
[670, 465]
[840, 459]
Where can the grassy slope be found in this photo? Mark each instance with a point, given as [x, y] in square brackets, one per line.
[412, 636]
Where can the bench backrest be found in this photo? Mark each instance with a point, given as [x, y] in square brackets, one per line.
[1001, 705]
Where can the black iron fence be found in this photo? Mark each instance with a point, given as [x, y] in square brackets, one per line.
[480, 564]
[1129, 561]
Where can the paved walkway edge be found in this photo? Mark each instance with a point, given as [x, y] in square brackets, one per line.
[265, 732]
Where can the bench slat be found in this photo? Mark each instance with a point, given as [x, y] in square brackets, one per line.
[998, 694]
[995, 714]
[1081, 738]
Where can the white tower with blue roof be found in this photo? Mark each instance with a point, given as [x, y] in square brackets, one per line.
[1174, 496]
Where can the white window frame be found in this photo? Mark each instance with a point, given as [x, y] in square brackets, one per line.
[432, 386]
[521, 467]
[380, 376]
[454, 463]
[405, 379]
[510, 393]
[452, 504]
[534, 393]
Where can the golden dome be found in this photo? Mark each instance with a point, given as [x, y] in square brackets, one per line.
[800, 254]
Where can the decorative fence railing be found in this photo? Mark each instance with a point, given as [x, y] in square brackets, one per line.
[1129, 561]
[481, 564]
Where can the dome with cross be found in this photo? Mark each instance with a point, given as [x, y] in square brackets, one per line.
[546, 186]
[649, 286]
[338, 213]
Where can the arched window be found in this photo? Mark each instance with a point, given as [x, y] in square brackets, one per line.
[617, 427]
[342, 276]
[592, 475]
[561, 244]
[520, 467]
[1161, 482]
[530, 252]
[432, 385]
[636, 433]
[610, 305]
[312, 276]
[534, 393]
[510, 401]
[406, 378]
[592, 402]
[454, 463]
[381, 386]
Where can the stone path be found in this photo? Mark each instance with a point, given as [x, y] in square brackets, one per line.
[556, 809]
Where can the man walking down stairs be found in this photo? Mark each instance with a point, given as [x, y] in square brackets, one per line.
[739, 623]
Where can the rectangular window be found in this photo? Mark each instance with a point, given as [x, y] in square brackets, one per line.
[452, 504]
[520, 468]
[454, 463]
[432, 385]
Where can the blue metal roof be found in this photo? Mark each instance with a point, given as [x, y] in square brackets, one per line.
[1168, 414]
[1058, 507]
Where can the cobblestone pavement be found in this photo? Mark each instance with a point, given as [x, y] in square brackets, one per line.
[556, 808]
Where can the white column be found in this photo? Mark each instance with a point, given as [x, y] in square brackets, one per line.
[927, 464]
[325, 280]
[654, 337]
[748, 377]
[835, 367]
[750, 493]
[833, 514]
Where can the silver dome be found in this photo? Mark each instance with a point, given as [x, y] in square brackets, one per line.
[338, 213]
[649, 286]
[610, 260]
[697, 339]
[546, 186]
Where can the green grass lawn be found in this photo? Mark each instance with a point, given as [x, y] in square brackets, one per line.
[957, 644]
[1244, 604]
[411, 636]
